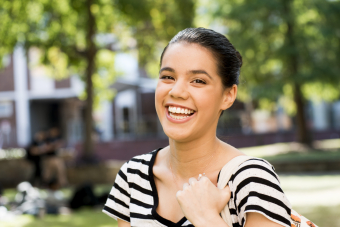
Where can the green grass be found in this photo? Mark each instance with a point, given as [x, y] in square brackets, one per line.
[322, 216]
[68, 192]
[314, 196]
[315, 155]
[81, 218]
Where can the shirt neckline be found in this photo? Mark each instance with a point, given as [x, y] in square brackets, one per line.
[154, 213]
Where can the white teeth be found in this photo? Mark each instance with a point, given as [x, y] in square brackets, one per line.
[180, 110]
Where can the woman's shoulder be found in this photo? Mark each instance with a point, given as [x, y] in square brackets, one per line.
[143, 158]
[255, 169]
[256, 187]
[139, 162]
[255, 161]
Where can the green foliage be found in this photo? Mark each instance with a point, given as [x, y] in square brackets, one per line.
[269, 33]
[103, 77]
[59, 28]
[153, 24]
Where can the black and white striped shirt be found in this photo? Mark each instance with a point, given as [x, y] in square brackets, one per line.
[255, 187]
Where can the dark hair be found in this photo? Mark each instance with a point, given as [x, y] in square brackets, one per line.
[229, 60]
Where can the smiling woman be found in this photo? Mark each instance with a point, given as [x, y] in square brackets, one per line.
[177, 185]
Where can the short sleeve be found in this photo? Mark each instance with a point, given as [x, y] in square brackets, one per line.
[118, 201]
[256, 188]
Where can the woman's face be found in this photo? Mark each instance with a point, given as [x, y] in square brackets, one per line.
[189, 84]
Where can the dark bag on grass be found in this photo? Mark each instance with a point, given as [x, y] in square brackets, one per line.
[83, 196]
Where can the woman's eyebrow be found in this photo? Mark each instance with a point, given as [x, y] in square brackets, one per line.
[197, 71]
[167, 69]
[200, 71]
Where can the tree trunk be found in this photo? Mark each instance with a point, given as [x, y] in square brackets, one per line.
[303, 135]
[88, 151]
[292, 59]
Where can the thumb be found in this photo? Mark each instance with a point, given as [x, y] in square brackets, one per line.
[226, 193]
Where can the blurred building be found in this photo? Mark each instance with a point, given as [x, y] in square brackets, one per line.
[30, 101]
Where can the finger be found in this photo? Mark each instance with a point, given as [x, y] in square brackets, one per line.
[179, 195]
[203, 178]
[192, 180]
[185, 185]
[226, 189]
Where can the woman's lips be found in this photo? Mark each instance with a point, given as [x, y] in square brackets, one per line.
[178, 120]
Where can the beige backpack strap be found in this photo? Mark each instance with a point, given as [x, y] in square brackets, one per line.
[223, 180]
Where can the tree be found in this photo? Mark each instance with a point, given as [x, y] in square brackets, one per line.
[65, 31]
[70, 35]
[288, 46]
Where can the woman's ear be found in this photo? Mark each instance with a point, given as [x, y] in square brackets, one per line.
[229, 96]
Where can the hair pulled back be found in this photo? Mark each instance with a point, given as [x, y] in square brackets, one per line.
[229, 60]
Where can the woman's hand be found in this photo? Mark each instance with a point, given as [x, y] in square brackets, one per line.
[202, 202]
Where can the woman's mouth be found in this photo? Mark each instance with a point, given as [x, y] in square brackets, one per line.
[178, 114]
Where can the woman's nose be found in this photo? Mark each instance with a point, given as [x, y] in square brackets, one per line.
[179, 90]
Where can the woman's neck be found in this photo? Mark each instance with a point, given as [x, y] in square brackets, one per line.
[192, 158]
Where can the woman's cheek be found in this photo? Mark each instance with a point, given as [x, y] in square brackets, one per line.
[160, 98]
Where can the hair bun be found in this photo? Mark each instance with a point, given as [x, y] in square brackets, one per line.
[238, 55]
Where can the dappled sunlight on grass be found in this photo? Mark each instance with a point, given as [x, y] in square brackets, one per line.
[17, 221]
[82, 218]
[309, 182]
[85, 217]
[312, 190]
[322, 216]
[324, 150]
[313, 155]
[315, 197]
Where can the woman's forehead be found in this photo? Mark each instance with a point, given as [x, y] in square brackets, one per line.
[189, 56]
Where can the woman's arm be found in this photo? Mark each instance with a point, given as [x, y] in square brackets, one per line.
[258, 220]
[122, 223]
[258, 197]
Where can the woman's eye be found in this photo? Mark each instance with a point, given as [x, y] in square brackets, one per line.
[166, 77]
[199, 81]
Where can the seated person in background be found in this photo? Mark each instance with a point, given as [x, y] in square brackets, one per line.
[34, 154]
[53, 165]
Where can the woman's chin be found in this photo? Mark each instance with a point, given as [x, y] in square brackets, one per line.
[177, 135]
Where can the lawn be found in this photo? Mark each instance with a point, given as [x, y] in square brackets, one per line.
[314, 155]
[85, 217]
[82, 218]
[316, 196]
